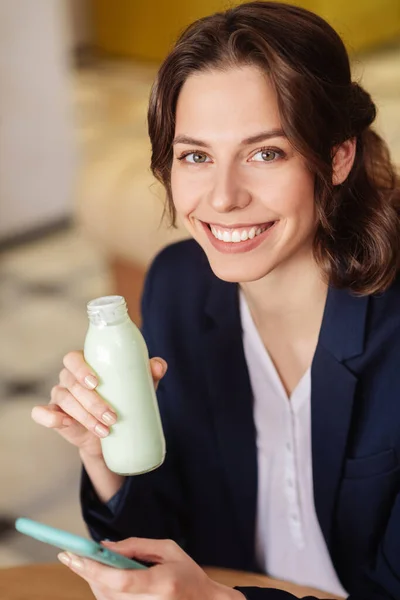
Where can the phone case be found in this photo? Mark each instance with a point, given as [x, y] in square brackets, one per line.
[75, 544]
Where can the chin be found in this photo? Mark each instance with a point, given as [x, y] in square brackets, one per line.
[239, 271]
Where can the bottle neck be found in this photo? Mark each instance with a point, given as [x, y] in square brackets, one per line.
[107, 311]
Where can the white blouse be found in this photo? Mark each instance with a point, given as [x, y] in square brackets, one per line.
[289, 540]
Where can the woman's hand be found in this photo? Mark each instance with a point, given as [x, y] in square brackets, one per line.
[76, 411]
[175, 575]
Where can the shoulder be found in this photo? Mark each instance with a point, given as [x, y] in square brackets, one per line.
[381, 356]
[180, 255]
[178, 276]
[377, 368]
[385, 309]
[181, 259]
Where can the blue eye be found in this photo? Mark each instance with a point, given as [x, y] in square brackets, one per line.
[266, 156]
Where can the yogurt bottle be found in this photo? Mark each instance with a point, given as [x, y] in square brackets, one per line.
[116, 351]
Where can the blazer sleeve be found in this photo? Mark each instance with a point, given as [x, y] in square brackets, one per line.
[149, 505]
[257, 593]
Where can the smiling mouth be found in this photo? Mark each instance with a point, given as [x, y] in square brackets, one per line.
[235, 235]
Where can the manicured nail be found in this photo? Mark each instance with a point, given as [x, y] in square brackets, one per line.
[71, 561]
[77, 564]
[109, 418]
[160, 368]
[64, 558]
[91, 382]
[101, 430]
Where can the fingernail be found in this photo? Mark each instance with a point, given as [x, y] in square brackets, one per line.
[91, 382]
[71, 561]
[77, 564]
[109, 418]
[64, 558]
[101, 430]
[161, 367]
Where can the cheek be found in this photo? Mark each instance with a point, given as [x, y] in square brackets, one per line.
[185, 193]
[294, 195]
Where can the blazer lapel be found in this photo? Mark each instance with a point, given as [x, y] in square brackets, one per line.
[333, 389]
[232, 407]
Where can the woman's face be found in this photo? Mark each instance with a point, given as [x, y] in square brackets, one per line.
[238, 186]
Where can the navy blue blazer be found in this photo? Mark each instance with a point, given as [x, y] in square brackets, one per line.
[204, 495]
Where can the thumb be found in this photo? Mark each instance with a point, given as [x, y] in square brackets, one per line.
[158, 368]
[153, 551]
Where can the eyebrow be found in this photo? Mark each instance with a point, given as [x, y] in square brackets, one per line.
[254, 139]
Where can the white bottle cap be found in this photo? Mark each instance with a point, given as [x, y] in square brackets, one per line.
[107, 310]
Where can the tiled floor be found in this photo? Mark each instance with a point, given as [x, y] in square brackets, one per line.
[45, 285]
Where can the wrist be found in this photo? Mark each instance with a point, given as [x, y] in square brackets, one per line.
[93, 459]
[105, 482]
[223, 592]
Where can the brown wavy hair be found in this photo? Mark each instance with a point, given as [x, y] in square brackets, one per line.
[357, 242]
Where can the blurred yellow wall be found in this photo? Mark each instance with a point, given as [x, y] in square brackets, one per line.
[146, 29]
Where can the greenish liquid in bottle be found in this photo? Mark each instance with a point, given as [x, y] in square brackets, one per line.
[117, 353]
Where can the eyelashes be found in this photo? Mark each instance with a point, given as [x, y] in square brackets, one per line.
[270, 150]
[203, 156]
[193, 153]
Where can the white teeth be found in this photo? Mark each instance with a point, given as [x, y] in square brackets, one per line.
[236, 236]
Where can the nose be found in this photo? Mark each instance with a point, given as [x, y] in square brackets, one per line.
[228, 193]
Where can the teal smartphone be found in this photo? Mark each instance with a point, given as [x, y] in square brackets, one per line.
[75, 544]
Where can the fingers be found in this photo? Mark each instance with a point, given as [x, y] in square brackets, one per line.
[149, 550]
[75, 363]
[92, 403]
[158, 368]
[75, 398]
[160, 580]
[51, 416]
[109, 578]
[65, 409]
[66, 413]
[73, 405]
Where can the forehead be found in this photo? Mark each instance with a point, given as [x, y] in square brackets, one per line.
[240, 99]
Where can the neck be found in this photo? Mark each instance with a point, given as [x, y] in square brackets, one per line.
[293, 294]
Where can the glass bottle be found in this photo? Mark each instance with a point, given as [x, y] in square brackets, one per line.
[116, 351]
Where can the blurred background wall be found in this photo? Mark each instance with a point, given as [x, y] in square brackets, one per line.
[80, 213]
[146, 30]
[80, 24]
[37, 151]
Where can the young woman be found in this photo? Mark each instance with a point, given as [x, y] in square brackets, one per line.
[279, 323]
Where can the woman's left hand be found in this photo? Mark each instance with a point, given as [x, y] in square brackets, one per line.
[175, 576]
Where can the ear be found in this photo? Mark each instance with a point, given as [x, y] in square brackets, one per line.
[343, 160]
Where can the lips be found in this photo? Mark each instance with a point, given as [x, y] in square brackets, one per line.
[238, 234]
[239, 238]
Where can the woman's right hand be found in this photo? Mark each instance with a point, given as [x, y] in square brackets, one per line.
[76, 411]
